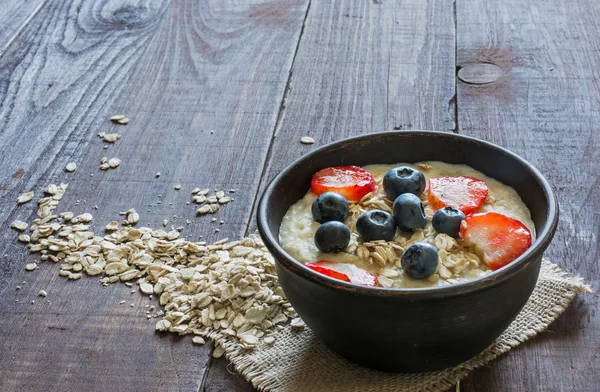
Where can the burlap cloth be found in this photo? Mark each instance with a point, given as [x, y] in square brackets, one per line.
[298, 361]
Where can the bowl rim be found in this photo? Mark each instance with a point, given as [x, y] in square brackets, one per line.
[496, 277]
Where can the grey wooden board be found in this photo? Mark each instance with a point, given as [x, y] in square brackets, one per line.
[544, 108]
[179, 70]
[14, 16]
[183, 69]
[222, 377]
[362, 67]
[367, 67]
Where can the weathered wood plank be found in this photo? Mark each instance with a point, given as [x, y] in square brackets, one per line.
[223, 377]
[14, 16]
[545, 108]
[179, 71]
[362, 67]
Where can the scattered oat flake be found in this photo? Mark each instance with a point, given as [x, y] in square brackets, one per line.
[51, 189]
[297, 323]
[199, 199]
[19, 225]
[30, 266]
[177, 187]
[111, 137]
[25, 198]
[114, 162]
[85, 218]
[117, 117]
[71, 167]
[163, 325]
[43, 293]
[307, 140]
[123, 120]
[249, 339]
[146, 288]
[198, 340]
[157, 174]
[218, 352]
[132, 217]
[226, 287]
[112, 226]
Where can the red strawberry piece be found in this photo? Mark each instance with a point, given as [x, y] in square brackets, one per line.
[352, 182]
[465, 193]
[496, 237]
[343, 271]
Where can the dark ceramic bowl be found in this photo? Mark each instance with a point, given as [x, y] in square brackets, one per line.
[410, 330]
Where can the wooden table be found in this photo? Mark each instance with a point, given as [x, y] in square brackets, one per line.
[219, 93]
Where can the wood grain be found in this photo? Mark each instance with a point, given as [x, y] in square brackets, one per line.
[223, 377]
[544, 108]
[182, 69]
[202, 83]
[362, 67]
[14, 16]
[367, 67]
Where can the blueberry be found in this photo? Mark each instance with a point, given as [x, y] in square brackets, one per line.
[332, 237]
[376, 225]
[330, 206]
[447, 220]
[409, 212]
[420, 260]
[401, 180]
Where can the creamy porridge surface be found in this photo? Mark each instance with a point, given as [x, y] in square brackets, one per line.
[457, 262]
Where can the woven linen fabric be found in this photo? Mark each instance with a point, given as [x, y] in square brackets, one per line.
[298, 361]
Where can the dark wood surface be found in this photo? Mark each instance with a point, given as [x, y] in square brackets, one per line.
[260, 75]
[546, 109]
[179, 71]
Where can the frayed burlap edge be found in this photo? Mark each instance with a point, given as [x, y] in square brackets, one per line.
[264, 367]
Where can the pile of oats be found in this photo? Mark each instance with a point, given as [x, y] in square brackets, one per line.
[455, 257]
[211, 202]
[229, 287]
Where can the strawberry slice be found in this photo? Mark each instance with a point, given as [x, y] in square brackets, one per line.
[496, 237]
[352, 182]
[465, 193]
[343, 271]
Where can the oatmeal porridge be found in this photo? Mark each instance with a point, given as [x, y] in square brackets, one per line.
[391, 244]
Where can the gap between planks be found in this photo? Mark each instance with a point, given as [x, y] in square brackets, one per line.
[278, 122]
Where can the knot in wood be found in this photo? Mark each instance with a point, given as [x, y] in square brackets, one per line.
[480, 73]
[127, 15]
